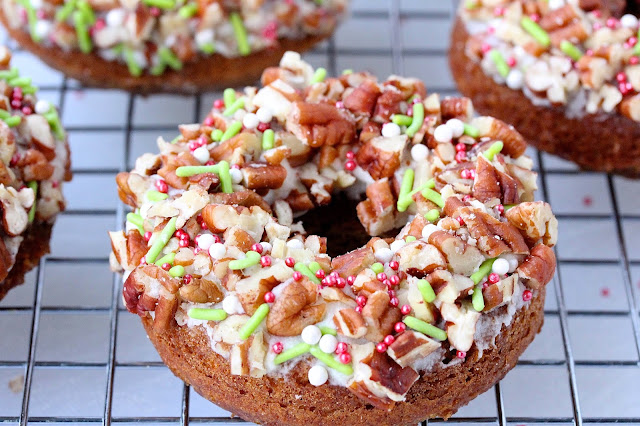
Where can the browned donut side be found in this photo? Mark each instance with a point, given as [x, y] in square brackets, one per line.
[603, 142]
[294, 401]
[33, 247]
[213, 72]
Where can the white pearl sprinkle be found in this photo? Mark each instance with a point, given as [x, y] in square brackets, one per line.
[266, 247]
[217, 251]
[555, 4]
[443, 134]
[37, 4]
[328, 343]
[239, 115]
[629, 21]
[512, 259]
[429, 229]
[295, 244]
[397, 245]
[515, 79]
[43, 28]
[236, 175]
[265, 115]
[43, 106]
[202, 154]
[419, 152]
[204, 37]
[500, 266]
[115, 17]
[384, 255]
[456, 126]
[205, 241]
[311, 334]
[231, 305]
[390, 130]
[318, 375]
[250, 121]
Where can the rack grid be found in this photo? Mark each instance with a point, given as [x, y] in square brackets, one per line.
[70, 353]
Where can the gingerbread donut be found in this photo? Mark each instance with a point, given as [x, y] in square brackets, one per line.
[252, 312]
[565, 73]
[34, 161]
[168, 45]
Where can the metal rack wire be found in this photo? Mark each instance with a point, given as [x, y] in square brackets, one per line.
[560, 380]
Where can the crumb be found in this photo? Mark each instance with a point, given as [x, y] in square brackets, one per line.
[16, 385]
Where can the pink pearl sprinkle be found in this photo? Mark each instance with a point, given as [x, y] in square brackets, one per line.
[290, 262]
[527, 295]
[342, 348]
[634, 60]
[351, 279]
[394, 280]
[361, 300]
[218, 104]
[350, 165]
[381, 347]
[399, 327]
[154, 11]
[394, 265]
[277, 348]
[535, 17]
[498, 11]
[350, 155]
[269, 297]
[340, 105]
[341, 282]
[394, 301]
[406, 309]
[597, 13]
[257, 247]
[389, 339]
[208, 121]
[297, 276]
[26, 110]
[621, 77]
[597, 26]
[485, 47]
[345, 358]
[461, 354]
[612, 23]
[265, 261]
[511, 61]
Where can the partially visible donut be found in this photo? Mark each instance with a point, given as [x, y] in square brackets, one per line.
[251, 311]
[34, 161]
[569, 83]
[168, 45]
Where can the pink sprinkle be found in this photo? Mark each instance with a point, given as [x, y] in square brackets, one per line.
[340, 105]
[605, 292]
[511, 61]
[26, 110]
[491, 30]
[498, 11]
[597, 26]
[55, 184]
[612, 23]
[587, 201]
[461, 156]
[461, 354]
[350, 155]
[527, 295]
[621, 77]
[297, 276]
[598, 14]
[485, 48]
[41, 14]
[634, 60]
[154, 11]
[16, 103]
[100, 24]
[589, 52]
[277, 348]
[218, 104]
[208, 121]
[535, 17]
[350, 165]
[270, 31]
[399, 327]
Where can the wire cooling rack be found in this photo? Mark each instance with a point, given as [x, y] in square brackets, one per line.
[70, 353]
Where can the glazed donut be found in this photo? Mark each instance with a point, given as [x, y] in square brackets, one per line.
[167, 45]
[34, 161]
[252, 312]
[565, 73]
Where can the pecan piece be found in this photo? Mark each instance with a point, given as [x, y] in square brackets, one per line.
[381, 156]
[295, 309]
[38, 131]
[261, 176]
[491, 183]
[251, 290]
[362, 100]
[350, 323]
[320, 124]
[35, 166]
[245, 198]
[514, 143]
[538, 268]
[6, 261]
[247, 357]
[380, 316]
[201, 291]
[462, 258]
[388, 104]
[377, 212]
[411, 346]
[558, 18]
[221, 217]
[419, 259]
[7, 143]
[128, 249]
[453, 107]
[494, 237]
[449, 287]
[13, 205]
[353, 262]
[461, 325]
[536, 221]
[138, 301]
[498, 294]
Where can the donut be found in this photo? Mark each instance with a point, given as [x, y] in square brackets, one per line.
[249, 309]
[565, 73]
[34, 162]
[168, 45]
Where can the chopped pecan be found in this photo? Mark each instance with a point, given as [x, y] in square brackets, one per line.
[299, 201]
[235, 149]
[388, 104]
[498, 294]
[494, 237]
[295, 309]
[244, 198]
[247, 357]
[251, 290]
[537, 222]
[575, 33]
[207, 181]
[614, 7]
[7, 143]
[353, 262]
[407, 85]
[201, 291]
[320, 124]
[362, 100]
[411, 346]
[380, 316]
[514, 143]
[170, 164]
[261, 176]
[238, 237]
[276, 155]
[35, 166]
[381, 156]
[419, 259]
[461, 325]
[327, 156]
[38, 131]
[369, 131]
[630, 107]
[558, 18]
[491, 183]
[462, 258]
[6, 260]
[151, 279]
[377, 212]
[350, 323]
[128, 249]
[449, 287]
[538, 268]
[221, 217]
[14, 207]
[453, 107]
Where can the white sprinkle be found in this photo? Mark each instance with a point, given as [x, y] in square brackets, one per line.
[512, 259]
[37, 4]
[295, 244]
[231, 305]
[217, 251]
[419, 152]
[204, 37]
[43, 28]
[264, 115]
[202, 154]
[397, 245]
[384, 255]
[443, 134]
[328, 343]
[500, 266]
[629, 21]
[250, 121]
[205, 241]
[390, 130]
[311, 334]
[239, 115]
[236, 175]
[115, 17]
[515, 79]
[456, 126]
[555, 4]
[429, 229]
[266, 247]
[43, 106]
[140, 58]
[318, 375]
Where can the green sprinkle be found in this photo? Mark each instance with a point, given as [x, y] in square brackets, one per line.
[425, 328]
[325, 329]
[207, 314]
[54, 122]
[29, 90]
[410, 239]
[32, 18]
[221, 169]
[208, 48]
[251, 258]
[401, 120]
[433, 196]
[241, 34]
[293, 352]
[158, 68]
[482, 271]
[160, 4]
[347, 71]
[268, 139]
[229, 97]
[10, 74]
[13, 121]
[134, 68]
[167, 258]
[67, 9]
[570, 50]
[470, 130]
[216, 135]
[477, 299]
[153, 195]
[377, 267]
[232, 130]
[418, 119]
[509, 206]
[404, 200]
[188, 10]
[175, 140]
[137, 220]
[168, 57]
[87, 12]
[319, 75]
[314, 267]
[254, 322]
[239, 103]
[304, 270]
[32, 211]
[498, 60]
[426, 290]
[330, 361]
[432, 215]
[470, 4]
[165, 236]
[177, 271]
[82, 31]
[225, 177]
[20, 81]
[535, 31]
[494, 149]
